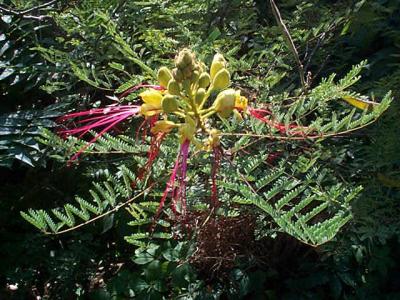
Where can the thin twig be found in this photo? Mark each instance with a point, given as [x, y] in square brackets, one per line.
[309, 57]
[298, 138]
[26, 11]
[290, 42]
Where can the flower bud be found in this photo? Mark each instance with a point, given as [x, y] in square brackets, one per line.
[173, 87]
[187, 72]
[185, 58]
[195, 76]
[213, 139]
[187, 130]
[177, 74]
[163, 126]
[225, 102]
[204, 80]
[164, 75]
[221, 80]
[186, 86]
[200, 95]
[169, 104]
[217, 64]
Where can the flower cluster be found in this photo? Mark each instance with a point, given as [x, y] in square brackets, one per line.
[182, 103]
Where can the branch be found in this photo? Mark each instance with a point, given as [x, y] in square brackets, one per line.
[299, 138]
[290, 42]
[23, 13]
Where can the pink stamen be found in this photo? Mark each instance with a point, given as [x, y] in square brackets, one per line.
[105, 118]
[170, 184]
[260, 114]
[178, 194]
[152, 154]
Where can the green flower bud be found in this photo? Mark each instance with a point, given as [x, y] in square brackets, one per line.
[200, 95]
[164, 75]
[204, 80]
[186, 86]
[195, 77]
[225, 102]
[185, 58]
[221, 80]
[173, 87]
[187, 72]
[169, 104]
[177, 74]
[217, 64]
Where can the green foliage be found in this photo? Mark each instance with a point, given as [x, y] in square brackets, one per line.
[18, 131]
[296, 198]
[103, 201]
[81, 52]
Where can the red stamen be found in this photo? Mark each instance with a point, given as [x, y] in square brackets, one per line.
[152, 154]
[179, 194]
[260, 114]
[105, 118]
[170, 184]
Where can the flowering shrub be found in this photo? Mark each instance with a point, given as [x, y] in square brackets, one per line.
[194, 106]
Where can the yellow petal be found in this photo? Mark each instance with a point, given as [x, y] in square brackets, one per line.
[221, 80]
[163, 126]
[217, 64]
[152, 97]
[241, 103]
[149, 110]
[213, 139]
[361, 104]
[187, 130]
[225, 102]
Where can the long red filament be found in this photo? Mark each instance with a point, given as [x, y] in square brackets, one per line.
[105, 118]
[265, 115]
[178, 193]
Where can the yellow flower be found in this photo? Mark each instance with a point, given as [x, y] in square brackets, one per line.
[164, 126]
[241, 102]
[213, 139]
[359, 103]
[225, 102]
[152, 102]
[187, 130]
